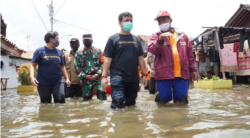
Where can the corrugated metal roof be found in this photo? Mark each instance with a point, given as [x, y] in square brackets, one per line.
[12, 44]
[240, 17]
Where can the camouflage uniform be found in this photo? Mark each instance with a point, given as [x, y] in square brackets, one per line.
[90, 63]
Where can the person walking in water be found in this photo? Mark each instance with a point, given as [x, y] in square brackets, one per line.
[75, 90]
[88, 64]
[174, 60]
[50, 69]
[123, 54]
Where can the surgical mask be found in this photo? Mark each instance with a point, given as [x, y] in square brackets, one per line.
[127, 26]
[56, 43]
[164, 27]
[87, 44]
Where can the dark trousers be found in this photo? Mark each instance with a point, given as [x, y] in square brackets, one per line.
[152, 86]
[75, 90]
[123, 93]
[57, 90]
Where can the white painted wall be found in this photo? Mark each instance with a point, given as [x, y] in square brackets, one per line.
[10, 71]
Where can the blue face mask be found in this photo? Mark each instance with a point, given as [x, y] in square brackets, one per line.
[56, 43]
[127, 26]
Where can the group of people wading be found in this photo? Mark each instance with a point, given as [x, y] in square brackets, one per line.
[81, 71]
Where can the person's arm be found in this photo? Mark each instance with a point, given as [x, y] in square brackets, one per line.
[32, 77]
[65, 75]
[63, 70]
[142, 64]
[155, 45]
[143, 69]
[106, 66]
[37, 58]
[108, 55]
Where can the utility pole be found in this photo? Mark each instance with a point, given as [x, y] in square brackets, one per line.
[51, 14]
[28, 44]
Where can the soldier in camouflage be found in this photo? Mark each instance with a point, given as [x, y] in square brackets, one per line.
[88, 64]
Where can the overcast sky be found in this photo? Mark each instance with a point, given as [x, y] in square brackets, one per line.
[101, 16]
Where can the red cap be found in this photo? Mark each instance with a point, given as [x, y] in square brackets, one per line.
[161, 14]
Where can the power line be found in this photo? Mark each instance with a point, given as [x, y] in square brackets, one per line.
[39, 15]
[28, 31]
[60, 8]
[81, 28]
[23, 29]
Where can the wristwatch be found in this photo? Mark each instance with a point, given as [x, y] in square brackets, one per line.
[145, 74]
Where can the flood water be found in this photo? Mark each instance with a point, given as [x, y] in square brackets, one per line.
[210, 114]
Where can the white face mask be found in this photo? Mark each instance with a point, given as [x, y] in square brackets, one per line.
[164, 27]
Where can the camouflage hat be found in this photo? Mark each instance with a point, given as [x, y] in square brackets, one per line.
[87, 36]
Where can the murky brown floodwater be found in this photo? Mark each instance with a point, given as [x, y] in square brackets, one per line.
[210, 114]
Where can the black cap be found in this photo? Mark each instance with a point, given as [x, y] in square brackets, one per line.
[74, 40]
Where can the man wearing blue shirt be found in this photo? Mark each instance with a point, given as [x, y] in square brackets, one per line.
[51, 66]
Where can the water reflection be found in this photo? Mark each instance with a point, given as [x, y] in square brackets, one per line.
[210, 113]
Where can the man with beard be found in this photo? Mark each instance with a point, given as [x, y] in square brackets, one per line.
[88, 64]
[75, 90]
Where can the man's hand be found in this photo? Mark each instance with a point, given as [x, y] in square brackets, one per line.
[90, 77]
[165, 35]
[152, 73]
[34, 81]
[195, 76]
[96, 76]
[145, 81]
[104, 83]
[68, 83]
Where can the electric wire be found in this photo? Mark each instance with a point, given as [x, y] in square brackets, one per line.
[81, 28]
[60, 8]
[39, 15]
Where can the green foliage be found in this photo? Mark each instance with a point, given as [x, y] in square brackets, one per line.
[215, 77]
[24, 74]
[205, 79]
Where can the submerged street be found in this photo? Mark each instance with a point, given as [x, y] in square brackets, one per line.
[210, 113]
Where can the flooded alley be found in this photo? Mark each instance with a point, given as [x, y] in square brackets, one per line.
[210, 113]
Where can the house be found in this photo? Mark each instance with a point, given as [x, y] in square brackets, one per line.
[239, 20]
[11, 58]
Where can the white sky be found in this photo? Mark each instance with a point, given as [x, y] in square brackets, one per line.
[102, 16]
